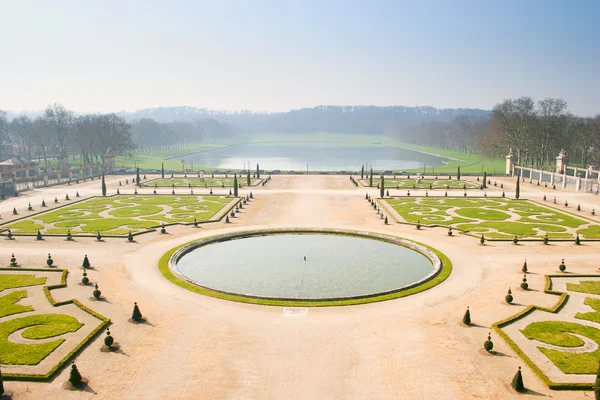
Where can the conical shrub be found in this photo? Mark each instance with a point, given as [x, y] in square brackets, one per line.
[75, 377]
[136, 315]
[467, 317]
[517, 382]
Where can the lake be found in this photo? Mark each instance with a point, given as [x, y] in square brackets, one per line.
[314, 156]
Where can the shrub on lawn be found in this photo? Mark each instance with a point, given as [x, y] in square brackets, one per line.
[517, 382]
[467, 317]
[488, 345]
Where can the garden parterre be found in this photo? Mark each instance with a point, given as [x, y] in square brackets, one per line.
[117, 215]
[494, 218]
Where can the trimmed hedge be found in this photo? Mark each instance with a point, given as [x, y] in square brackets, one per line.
[62, 363]
[555, 309]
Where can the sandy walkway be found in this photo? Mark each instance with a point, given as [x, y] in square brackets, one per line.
[203, 348]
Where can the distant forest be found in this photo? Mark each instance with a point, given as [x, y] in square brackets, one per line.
[536, 131]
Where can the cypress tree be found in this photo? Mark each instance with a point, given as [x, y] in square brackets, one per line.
[371, 179]
[162, 171]
[458, 174]
[485, 180]
[137, 177]
[517, 382]
[257, 172]
[75, 377]
[1, 384]
[467, 317]
[235, 186]
[248, 177]
[524, 269]
[518, 189]
[103, 186]
[382, 188]
[362, 172]
[597, 385]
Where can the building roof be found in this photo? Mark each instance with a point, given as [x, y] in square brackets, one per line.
[17, 161]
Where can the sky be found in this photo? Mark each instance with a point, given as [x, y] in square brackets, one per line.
[258, 55]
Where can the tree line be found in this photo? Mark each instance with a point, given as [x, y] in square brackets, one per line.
[59, 132]
[536, 132]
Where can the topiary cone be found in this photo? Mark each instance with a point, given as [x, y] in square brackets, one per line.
[562, 266]
[137, 314]
[467, 317]
[577, 240]
[482, 240]
[419, 224]
[75, 377]
[15, 211]
[517, 382]
[38, 235]
[49, 261]
[86, 262]
[524, 269]
[98, 236]
[227, 219]
[130, 237]
[108, 340]
[488, 345]
[386, 220]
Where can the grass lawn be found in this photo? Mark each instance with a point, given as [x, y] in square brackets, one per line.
[495, 218]
[422, 184]
[591, 287]
[117, 215]
[9, 306]
[42, 326]
[11, 281]
[559, 333]
[593, 316]
[198, 182]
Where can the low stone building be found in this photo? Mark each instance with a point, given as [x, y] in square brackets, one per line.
[19, 168]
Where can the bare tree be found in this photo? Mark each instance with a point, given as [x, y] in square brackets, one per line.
[59, 121]
[3, 131]
[21, 131]
[42, 139]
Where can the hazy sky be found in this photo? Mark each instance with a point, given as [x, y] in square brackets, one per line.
[278, 55]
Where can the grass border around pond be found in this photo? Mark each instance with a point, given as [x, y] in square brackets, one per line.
[442, 274]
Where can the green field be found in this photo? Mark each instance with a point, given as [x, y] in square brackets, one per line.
[401, 183]
[470, 163]
[117, 215]
[494, 218]
[199, 182]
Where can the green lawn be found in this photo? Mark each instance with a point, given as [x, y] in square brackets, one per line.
[41, 326]
[199, 182]
[593, 316]
[495, 218]
[117, 215]
[11, 281]
[421, 184]
[560, 333]
[9, 306]
[591, 287]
